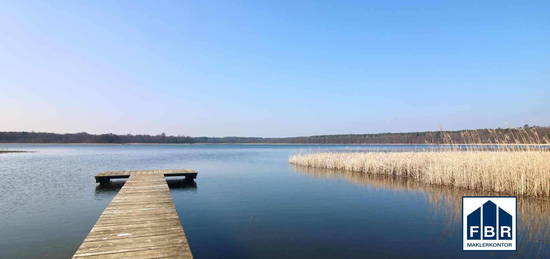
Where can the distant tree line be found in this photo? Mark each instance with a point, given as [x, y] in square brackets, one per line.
[525, 134]
[42, 137]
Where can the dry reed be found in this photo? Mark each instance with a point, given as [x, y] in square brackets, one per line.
[510, 168]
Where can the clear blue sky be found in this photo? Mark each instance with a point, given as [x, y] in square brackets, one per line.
[273, 68]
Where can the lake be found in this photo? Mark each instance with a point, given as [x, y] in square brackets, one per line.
[247, 202]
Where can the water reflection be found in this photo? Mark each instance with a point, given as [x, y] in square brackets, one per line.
[111, 187]
[533, 214]
[108, 190]
[181, 184]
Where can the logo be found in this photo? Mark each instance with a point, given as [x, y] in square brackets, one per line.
[488, 223]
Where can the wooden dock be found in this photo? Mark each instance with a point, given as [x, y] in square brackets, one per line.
[141, 220]
[105, 177]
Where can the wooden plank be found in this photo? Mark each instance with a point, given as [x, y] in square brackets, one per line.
[140, 222]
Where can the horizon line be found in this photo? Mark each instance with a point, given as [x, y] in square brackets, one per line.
[336, 134]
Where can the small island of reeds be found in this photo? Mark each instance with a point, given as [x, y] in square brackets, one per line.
[517, 164]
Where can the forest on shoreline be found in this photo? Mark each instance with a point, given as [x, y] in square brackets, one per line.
[506, 135]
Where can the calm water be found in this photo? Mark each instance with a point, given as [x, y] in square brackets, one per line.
[246, 203]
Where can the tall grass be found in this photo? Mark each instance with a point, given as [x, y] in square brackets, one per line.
[505, 166]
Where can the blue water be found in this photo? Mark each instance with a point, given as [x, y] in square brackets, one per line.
[247, 202]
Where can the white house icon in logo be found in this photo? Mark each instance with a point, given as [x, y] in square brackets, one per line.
[489, 223]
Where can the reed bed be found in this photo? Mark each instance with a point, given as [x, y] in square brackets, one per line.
[513, 172]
